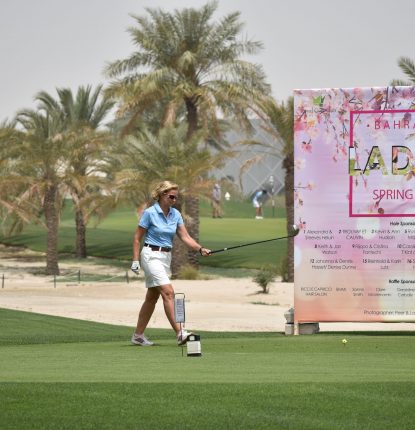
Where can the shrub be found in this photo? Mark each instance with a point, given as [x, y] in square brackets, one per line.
[188, 272]
[264, 277]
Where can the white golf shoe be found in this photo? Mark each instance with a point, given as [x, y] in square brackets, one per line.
[140, 340]
[182, 337]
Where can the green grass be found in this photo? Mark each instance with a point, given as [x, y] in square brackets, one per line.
[211, 406]
[221, 233]
[62, 373]
[112, 239]
[244, 209]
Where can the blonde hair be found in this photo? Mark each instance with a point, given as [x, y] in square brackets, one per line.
[163, 187]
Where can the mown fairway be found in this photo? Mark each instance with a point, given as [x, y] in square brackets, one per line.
[113, 237]
[62, 373]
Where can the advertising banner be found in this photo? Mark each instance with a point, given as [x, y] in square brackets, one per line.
[355, 204]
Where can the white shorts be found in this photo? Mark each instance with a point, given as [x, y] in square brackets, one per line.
[156, 266]
[256, 203]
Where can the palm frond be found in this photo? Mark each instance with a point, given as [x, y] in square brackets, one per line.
[400, 83]
[408, 67]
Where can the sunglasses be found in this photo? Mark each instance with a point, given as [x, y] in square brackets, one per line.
[172, 197]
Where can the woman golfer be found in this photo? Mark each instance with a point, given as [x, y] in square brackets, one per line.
[158, 225]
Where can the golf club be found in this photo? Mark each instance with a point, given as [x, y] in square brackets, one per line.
[294, 231]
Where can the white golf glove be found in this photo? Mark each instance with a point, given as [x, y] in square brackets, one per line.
[135, 267]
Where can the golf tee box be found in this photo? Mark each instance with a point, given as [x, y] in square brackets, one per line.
[194, 348]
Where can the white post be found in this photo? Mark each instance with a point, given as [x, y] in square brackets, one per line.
[296, 328]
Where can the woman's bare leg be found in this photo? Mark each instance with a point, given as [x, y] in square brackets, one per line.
[147, 309]
[167, 294]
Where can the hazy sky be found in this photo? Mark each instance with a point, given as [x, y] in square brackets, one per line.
[46, 44]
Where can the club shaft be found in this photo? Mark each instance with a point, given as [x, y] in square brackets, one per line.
[249, 244]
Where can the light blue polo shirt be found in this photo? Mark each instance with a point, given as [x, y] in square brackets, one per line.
[160, 229]
[257, 196]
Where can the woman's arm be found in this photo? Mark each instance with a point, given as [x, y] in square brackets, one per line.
[138, 236]
[185, 237]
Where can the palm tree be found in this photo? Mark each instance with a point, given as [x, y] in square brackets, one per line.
[9, 187]
[283, 119]
[408, 67]
[31, 187]
[280, 118]
[149, 158]
[82, 117]
[189, 64]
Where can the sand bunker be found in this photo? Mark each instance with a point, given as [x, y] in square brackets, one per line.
[222, 304]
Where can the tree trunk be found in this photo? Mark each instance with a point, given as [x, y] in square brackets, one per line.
[179, 257]
[80, 234]
[179, 251]
[192, 118]
[288, 165]
[191, 205]
[52, 224]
